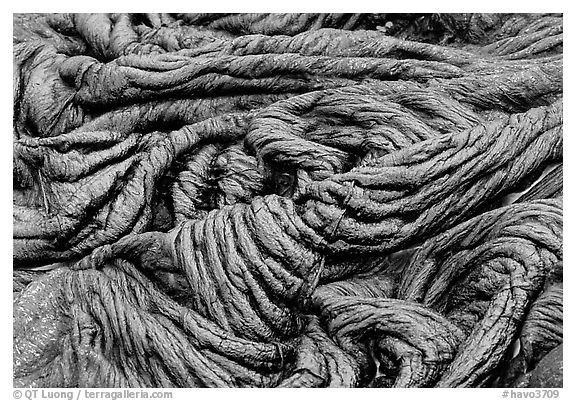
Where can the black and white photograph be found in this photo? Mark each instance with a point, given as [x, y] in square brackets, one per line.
[286, 200]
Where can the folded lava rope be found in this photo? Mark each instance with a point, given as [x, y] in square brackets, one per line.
[481, 275]
[63, 181]
[313, 60]
[411, 192]
[502, 257]
[296, 200]
[273, 280]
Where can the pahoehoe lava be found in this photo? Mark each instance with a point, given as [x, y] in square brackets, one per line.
[287, 200]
